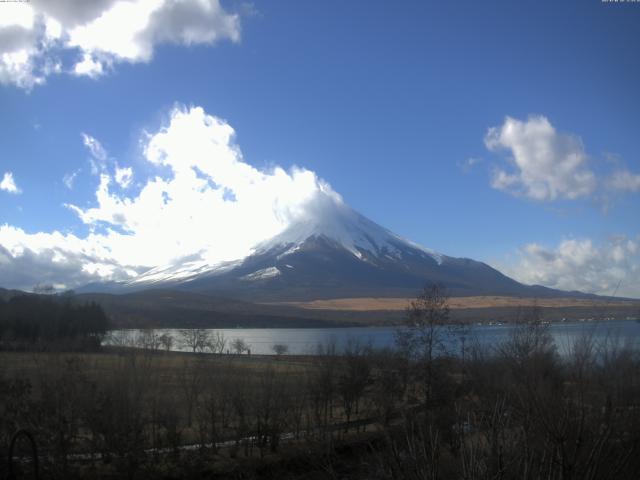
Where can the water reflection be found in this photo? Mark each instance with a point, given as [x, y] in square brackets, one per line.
[304, 341]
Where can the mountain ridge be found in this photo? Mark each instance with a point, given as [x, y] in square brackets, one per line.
[332, 251]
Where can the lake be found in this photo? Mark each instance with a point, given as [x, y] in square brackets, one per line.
[304, 341]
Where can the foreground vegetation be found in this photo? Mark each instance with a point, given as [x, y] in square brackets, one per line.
[519, 412]
[516, 410]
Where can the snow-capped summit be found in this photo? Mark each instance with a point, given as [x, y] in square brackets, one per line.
[336, 222]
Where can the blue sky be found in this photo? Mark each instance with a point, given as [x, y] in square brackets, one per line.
[391, 103]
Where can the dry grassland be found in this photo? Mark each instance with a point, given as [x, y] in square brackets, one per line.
[395, 304]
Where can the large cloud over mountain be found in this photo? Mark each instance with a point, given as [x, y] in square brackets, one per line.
[205, 203]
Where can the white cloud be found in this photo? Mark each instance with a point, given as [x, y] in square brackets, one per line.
[70, 178]
[624, 181]
[214, 203]
[579, 264]
[8, 184]
[88, 67]
[124, 176]
[55, 258]
[141, 25]
[211, 206]
[98, 160]
[101, 33]
[545, 164]
[18, 45]
[469, 164]
[95, 147]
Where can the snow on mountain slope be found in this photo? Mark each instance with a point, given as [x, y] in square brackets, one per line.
[328, 250]
[182, 271]
[327, 217]
[262, 274]
[339, 223]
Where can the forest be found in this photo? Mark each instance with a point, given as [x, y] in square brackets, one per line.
[50, 321]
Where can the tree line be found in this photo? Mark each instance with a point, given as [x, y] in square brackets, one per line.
[50, 320]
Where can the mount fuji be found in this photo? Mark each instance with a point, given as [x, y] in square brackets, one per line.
[331, 251]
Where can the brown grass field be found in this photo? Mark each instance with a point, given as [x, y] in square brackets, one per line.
[169, 365]
[365, 304]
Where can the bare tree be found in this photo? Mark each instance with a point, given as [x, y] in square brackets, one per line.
[216, 342]
[423, 334]
[321, 384]
[120, 338]
[191, 381]
[239, 346]
[280, 349]
[119, 414]
[195, 339]
[214, 408]
[148, 339]
[354, 377]
[390, 384]
[166, 341]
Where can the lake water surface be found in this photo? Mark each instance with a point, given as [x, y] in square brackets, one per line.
[305, 341]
